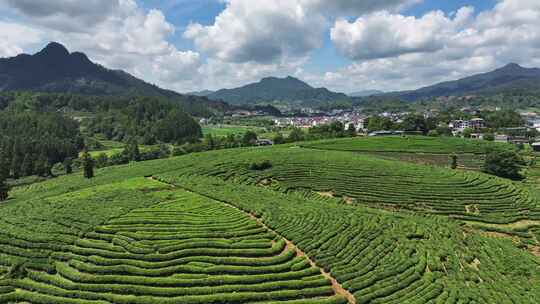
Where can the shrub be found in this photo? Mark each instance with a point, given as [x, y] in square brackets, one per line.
[504, 163]
[264, 165]
[454, 161]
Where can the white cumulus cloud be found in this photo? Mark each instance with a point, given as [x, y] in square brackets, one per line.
[391, 51]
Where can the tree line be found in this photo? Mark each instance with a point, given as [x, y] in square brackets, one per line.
[68, 102]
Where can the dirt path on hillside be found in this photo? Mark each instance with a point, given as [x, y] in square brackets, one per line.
[336, 286]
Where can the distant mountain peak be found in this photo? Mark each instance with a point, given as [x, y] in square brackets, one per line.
[54, 49]
[55, 69]
[270, 89]
[512, 65]
[288, 82]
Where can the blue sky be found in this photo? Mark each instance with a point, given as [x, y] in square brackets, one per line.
[344, 45]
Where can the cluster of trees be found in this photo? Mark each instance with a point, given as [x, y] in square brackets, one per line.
[333, 130]
[133, 152]
[119, 117]
[153, 119]
[438, 125]
[411, 123]
[31, 143]
[149, 119]
[506, 163]
[37, 138]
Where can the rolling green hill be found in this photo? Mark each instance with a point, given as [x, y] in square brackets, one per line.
[212, 228]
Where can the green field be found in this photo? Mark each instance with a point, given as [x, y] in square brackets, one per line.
[205, 228]
[226, 130]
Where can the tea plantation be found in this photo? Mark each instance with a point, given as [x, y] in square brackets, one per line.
[370, 181]
[310, 226]
[416, 149]
[414, 144]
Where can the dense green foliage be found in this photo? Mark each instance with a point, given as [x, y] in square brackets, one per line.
[67, 102]
[504, 163]
[88, 164]
[34, 136]
[117, 117]
[149, 119]
[32, 142]
[4, 189]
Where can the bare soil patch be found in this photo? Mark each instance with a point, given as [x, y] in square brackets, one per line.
[535, 250]
[328, 194]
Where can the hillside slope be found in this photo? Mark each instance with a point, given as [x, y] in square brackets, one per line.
[183, 236]
[511, 77]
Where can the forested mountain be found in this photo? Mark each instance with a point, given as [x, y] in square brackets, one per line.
[272, 89]
[56, 70]
[510, 78]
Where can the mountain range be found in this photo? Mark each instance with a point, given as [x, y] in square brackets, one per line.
[366, 93]
[511, 77]
[55, 69]
[272, 89]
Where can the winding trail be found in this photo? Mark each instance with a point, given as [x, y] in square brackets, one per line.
[336, 286]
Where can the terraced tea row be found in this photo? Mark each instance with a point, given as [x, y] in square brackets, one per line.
[376, 182]
[189, 250]
[381, 257]
[407, 144]
[30, 230]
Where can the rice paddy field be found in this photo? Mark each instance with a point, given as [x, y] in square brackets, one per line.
[314, 226]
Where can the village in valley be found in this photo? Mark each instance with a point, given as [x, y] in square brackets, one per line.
[467, 123]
